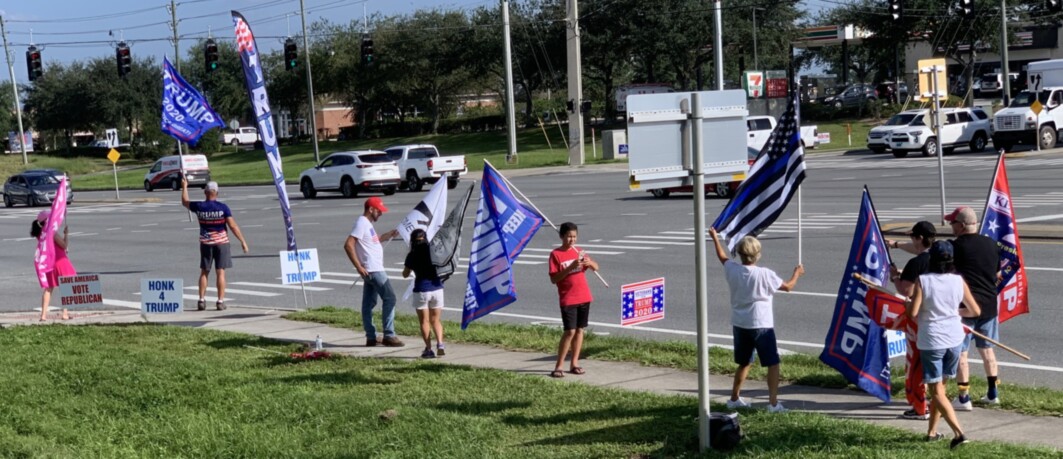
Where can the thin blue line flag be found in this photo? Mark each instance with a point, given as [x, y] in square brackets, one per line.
[504, 226]
[773, 179]
[186, 115]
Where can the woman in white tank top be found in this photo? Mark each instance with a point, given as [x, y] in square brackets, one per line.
[935, 306]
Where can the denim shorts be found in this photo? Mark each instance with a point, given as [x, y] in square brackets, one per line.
[987, 327]
[761, 339]
[939, 364]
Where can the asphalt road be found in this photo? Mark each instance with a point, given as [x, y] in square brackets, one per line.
[632, 235]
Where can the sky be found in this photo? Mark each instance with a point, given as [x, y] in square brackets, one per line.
[69, 30]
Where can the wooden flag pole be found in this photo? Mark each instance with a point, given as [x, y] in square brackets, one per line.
[1003, 346]
[596, 273]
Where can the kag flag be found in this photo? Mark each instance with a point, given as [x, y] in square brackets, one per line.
[427, 214]
[504, 225]
[186, 115]
[256, 90]
[642, 302]
[856, 344]
[773, 179]
[44, 257]
[998, 223]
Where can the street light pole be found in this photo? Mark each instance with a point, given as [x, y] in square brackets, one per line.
[1004, 52]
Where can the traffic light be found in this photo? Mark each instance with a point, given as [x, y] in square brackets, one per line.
[210, 55]
[33, 63]
[896, 9]
[291, 54]
[570, 105]
[367, 50]
[1055, 6]
[585, 106]
[968, 8]
[125, 61]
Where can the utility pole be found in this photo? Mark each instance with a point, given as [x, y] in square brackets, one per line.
[756, 62]
[717, 48]
[14, 87]
[575, 87]
[309, 85]
[176, 58]
[1004, 51]
[511, 116]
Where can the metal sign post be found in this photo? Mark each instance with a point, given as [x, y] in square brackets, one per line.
[937, 134]
[668, 146]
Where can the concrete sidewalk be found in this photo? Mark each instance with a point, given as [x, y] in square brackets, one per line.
[980, 424]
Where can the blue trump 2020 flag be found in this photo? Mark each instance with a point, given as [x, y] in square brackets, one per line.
[256, 90]
[856, 345]
[186, 115]
[504, 225]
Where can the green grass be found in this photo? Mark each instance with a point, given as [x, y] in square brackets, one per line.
[244, 167]
[157, 391]
[802, 369]
[838, 137]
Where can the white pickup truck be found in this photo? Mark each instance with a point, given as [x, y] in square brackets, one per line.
[241, 136]
[760, 127]
[959, 127]
[419, 164]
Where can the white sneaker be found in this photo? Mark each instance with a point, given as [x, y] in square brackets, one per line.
[990, 401]
[962, 406]
[777, 408]
[740, 403]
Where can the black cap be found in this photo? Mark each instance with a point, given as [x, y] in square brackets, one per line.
[941, 250]
[924, 229]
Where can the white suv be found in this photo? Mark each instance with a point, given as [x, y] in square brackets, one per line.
[350, 172]
[960, 126]
[878, 138]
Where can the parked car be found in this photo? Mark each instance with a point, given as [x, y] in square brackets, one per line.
[419, 164]
[759, 129]
[960, 126]
[33, 188]
[351, 172]
[992, 84]
[853, 96]
[878, 138]
[241, 136]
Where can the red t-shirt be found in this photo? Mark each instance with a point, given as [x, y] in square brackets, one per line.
[572, 290]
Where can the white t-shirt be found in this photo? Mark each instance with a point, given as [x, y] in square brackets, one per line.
[370, 252]
[939, 317]
[752, 289]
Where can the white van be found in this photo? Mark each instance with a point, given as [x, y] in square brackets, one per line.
[166, 172]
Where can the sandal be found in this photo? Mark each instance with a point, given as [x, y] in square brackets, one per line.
[557, 374]
[578, 370]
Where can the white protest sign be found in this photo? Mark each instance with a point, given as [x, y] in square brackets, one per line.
[82, 291]
[306, 263]
[897, 343]
[161, 296]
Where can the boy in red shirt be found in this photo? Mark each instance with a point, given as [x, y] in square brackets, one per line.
[567, 264]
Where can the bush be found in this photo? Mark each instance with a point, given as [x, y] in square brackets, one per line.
[208, 144]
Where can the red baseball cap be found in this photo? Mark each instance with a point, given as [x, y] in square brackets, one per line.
[376, 203]
[962, 214]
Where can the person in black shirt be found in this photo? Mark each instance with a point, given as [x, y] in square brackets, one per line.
[427, 292]
[922, 237]
[977, 259]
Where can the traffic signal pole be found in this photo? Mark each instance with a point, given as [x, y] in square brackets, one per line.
[309, 85]
[14, 87]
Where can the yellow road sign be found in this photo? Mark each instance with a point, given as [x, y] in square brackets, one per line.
[113, 155]
[926, 88]
[1036, 107]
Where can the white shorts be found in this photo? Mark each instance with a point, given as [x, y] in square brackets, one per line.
[428, 300]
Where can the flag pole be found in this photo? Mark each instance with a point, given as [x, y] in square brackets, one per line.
[514, 187]
[795, 92]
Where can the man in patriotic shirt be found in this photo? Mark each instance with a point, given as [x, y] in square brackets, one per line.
[215, 221]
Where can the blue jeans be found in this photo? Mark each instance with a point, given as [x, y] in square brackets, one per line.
[939, 364]
[987, 327]
[377, 284]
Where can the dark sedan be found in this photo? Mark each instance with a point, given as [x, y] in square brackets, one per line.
[34, 188]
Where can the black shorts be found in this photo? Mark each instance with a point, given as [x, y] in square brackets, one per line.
[218, 255]
[573, 317]
[761, 339]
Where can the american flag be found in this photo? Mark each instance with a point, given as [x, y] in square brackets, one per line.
[773, 179]
[245, 40]
[642, 302]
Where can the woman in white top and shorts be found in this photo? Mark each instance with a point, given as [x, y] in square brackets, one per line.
[935, 306]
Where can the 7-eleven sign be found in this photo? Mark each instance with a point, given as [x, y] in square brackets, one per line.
[753, 82]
